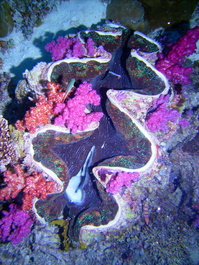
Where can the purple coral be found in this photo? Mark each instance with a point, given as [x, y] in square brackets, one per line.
[159, 118]
[121, 179]
[15, 225]
[73, 113]
[184, 123]
[59, 48]
[90, 46]
[73, 47]
[170, 64]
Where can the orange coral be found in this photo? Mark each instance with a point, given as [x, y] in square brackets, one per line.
[33, 186]
[38, 115]
[15, 181]
[55, 93]
[42, 112]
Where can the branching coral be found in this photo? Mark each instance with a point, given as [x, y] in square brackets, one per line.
[72, 114]
[7, 150]
[38, 115]
[33, 186]
[43, 110]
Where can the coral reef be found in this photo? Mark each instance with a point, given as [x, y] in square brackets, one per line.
[7, 146]
[117, 166]
[65, 47]
[166, 242]
[130, 14]
[6, 19]
[123, 186]
[15, 225]
[118, 143]
[74, 114]
[171, 64]
[38, 115]
[42, 112]
[4, 97]
[158, 119]
[24, 16]
[121, 179]
[33, 186]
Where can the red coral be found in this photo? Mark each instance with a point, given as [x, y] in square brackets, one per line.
[38, 115]
[15, 181]
[43, 111]
[33, 186]
[36, 186]
[27, 201]
[55, 93]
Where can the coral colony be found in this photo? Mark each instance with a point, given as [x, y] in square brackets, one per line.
[93, 132]
[15, 225]
[72, 113]
[171, 64]
[73, 47]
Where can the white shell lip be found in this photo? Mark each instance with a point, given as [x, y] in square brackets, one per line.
[84, 60]
[148, 38]
[147, 134]
[161, 76]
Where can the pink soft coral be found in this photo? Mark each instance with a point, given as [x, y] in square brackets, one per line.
[121, 179]
[65, 47]
[159, 118]
[59, 48]
[170, 64]
[73, 114]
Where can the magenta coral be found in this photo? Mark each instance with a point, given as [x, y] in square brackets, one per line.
[170, 64]
[71, 47]
[15, 225]
[73, 114]
[59, 48]
[90, 46]
[78, 49]
[121, 179]
[159, 118]
[184, 123]
[65, 47]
